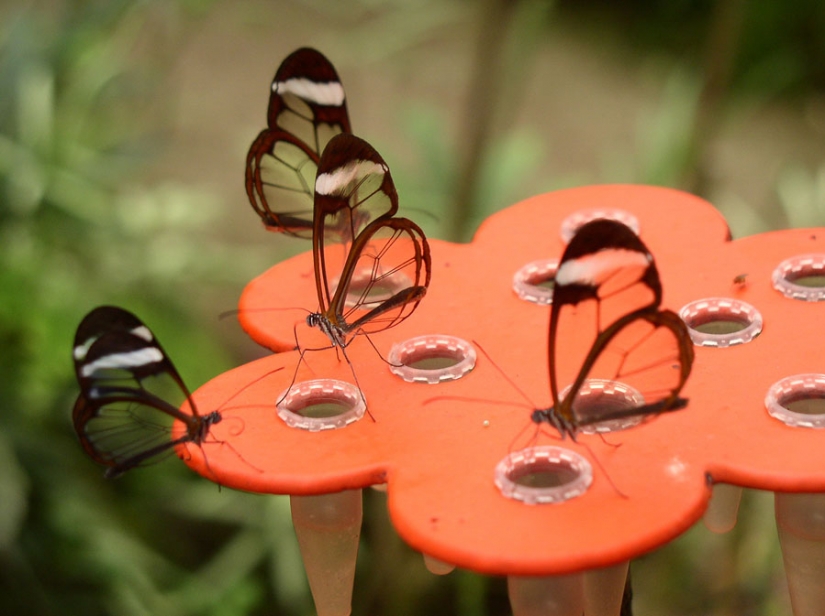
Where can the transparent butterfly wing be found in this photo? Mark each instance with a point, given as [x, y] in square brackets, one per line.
[353, 189]
[605, 316]
[307, 107]
[122, 432]
[280, 176]
[385, 277]
[130, 393]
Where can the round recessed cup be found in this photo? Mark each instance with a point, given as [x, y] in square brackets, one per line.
[798, 400]
[432, 358]
[598, 396]
[801, 277]
[534, 281]
[321, 404]
[721, 322]
[571, 224]
[540, 475]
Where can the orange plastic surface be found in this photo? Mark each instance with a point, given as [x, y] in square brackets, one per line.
[438, 456]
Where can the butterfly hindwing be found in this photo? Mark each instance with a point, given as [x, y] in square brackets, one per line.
[280, 172]
[307, 107]
[386, 276]
[605, 317]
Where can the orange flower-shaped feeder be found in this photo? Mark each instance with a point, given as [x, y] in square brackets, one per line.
[437, 446]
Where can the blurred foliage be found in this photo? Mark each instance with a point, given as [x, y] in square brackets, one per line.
[780, 51]
[80, 116]
[83, 112]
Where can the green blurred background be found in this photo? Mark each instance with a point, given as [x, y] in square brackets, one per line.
[123, 132]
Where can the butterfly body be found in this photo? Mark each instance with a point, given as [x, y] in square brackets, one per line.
[337, 335]
[607, 293]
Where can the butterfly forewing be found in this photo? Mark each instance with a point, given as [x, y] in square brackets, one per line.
[306, 91]
[307, 107]
[130, 393]
[103, 320]
[605, 317]
[353, 189]
[371, 269]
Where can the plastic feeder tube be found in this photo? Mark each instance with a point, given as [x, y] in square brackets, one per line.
[800, 519]
[328, 528]
[723, 508]
[546, 596]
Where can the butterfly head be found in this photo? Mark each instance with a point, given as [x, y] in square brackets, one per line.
[550, 416]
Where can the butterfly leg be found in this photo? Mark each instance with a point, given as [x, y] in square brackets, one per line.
[355, 378]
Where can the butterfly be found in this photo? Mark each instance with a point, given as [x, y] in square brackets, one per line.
[606, 326]
[371, 268]
[307, 107]
[130, 393]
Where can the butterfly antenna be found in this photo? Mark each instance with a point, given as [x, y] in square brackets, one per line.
[422, 213]
[476, 400]
[248, 385]
[227, 443]
[236, 311]
[235, 451]
[513, 384]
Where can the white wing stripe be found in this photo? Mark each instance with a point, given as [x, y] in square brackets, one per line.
[143, 332]
[330, 93]
[124, 361]
[347, 175]
[593, 269]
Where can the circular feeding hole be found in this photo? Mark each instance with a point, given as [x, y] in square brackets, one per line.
[534, 282]
[541, 475]
[599, 397]
[798, 400]
[322, 404]
[571, 224]
[366, 287]
[801, 277]
[432, 358]
[721, 322]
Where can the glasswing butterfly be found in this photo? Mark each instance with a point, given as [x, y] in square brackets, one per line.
[307, 107]
[371, 268]
[605, 316]
[130, 393]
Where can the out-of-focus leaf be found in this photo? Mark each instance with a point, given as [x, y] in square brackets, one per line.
[14, 494]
